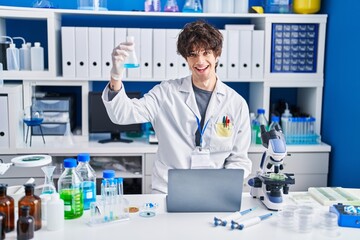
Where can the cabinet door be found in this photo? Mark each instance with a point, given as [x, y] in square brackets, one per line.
[4, 123]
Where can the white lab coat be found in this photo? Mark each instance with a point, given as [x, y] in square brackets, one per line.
[171, 108]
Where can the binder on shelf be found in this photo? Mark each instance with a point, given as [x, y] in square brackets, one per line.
[107, 46]
[171, 61]
[146, 53]
[68, 51]
[183, 68]
[245, 47]
[120, 37]
[257, 60]
[134, 73]
[221, 69]
[94, 52]
[82, 52]
[233, 55]
[4, 123]
[159, 42]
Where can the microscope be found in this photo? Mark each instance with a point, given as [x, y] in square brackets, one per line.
[270, 184]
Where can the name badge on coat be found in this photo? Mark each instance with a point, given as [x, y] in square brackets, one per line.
[200, 158]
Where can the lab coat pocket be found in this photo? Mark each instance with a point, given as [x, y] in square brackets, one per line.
[222, 137]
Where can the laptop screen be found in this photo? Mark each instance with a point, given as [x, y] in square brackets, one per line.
[204, 190]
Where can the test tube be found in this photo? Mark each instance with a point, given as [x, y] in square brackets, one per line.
[131, 61]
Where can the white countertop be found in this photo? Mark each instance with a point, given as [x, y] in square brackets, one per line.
[185, 225]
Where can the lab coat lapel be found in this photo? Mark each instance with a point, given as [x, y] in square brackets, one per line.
[190, 100]
[215, 100]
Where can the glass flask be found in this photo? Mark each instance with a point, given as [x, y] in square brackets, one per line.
[131, 61]
[192, 6]
[49, 181]
[171, 6]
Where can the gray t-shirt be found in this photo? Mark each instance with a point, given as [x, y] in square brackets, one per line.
[202, 99]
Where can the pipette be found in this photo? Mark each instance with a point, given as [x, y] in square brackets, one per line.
[233, 216]
[249, 222]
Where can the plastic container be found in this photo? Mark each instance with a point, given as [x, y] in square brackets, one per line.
[88, 176]
[131, 61]
[69, 187]
[55, 213]
[306, 6]
[192, 6]
[37, 57]
[171, 6]
[24, 55]
[25, 224]
[96, 5]
[260, 120]
[34, 202]
[7, 208]
[12, 56]
[278, 6]
[285, 118]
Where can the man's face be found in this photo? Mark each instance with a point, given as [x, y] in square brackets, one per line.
[202, 64]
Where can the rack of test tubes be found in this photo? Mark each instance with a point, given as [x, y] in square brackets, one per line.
[301, 130]
[111, 206]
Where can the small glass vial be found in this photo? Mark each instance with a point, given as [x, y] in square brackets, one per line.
[171, 6]
[88, 176]
[131, 61]
[25, 224]
[7, 208]
[34, 202]
[69, 187]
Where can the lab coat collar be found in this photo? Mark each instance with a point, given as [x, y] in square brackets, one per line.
[219, 91]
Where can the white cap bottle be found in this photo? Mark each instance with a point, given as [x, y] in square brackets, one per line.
[55, 213]
[25, 58]
[12, 56]
[285, 120]
[37, 57]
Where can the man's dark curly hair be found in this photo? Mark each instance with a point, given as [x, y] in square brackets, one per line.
[199, 35]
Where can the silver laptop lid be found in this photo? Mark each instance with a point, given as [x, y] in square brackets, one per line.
[204, 190]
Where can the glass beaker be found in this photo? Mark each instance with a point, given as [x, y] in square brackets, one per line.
[48, 171]
[192, 6]
[171, 6]
[131, 61]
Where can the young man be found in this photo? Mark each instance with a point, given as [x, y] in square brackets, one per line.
[199, 121]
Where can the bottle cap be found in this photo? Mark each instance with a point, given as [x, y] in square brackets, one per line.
[69, 163]
[55, 196]
[120, 180]
[274, 118]
[83, 157]
[37, 44]
[261, 111]
[29, 186]
[108, 174]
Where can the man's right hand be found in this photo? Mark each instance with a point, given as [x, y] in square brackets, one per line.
[119, 55]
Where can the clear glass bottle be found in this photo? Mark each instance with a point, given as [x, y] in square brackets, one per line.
[274, 123]
[34, 202]
[193, 6]
[69, 187]
[171, 6]
[261, 120]
[7, 208]
[88, 176]
[25, 224]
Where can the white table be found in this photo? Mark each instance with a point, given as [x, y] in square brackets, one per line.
[182, 226]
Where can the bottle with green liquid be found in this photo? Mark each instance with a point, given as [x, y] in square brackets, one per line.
[69, 187]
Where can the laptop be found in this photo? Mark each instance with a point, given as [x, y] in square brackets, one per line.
[204, 190]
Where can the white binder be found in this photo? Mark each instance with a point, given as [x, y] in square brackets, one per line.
[171, 61]
[134, 73]
[159, 43]
[82, 52]
[68, 51]
[183, 68]
[221, 69]
[245, 47]
[257, 65]
[107, 46]
[120, 36]
[95, 52]
[146, 63]
[233, 55]
[4, 123]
